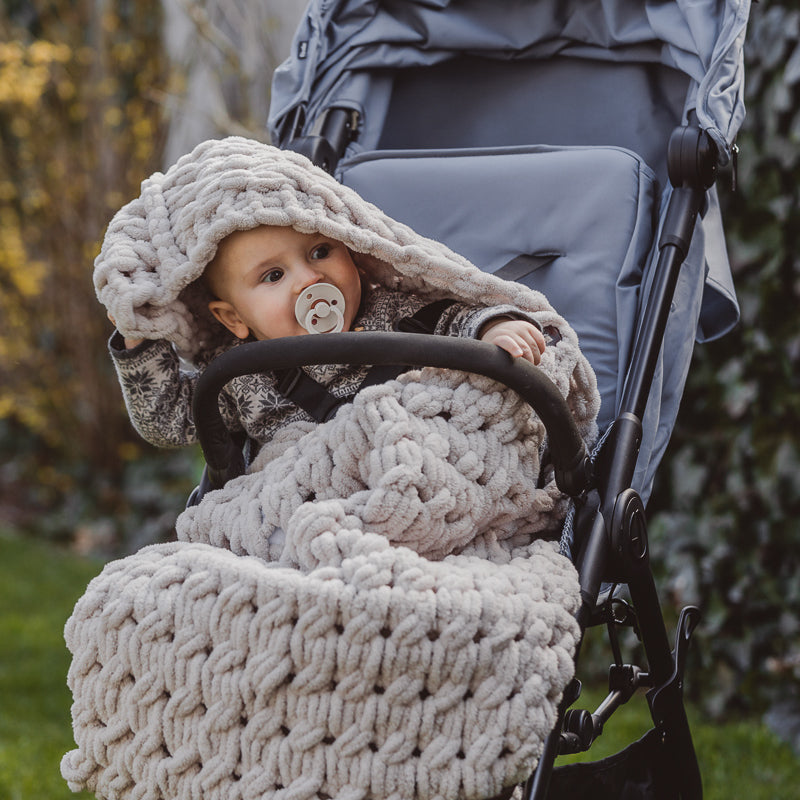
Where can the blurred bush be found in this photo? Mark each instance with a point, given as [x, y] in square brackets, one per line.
[92, 94]
[80, 127]
[726, 521]
[82, 92]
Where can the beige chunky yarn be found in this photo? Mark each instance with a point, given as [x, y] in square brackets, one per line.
[354, 667]
[436, 460]
[357, 659]
[375, 674]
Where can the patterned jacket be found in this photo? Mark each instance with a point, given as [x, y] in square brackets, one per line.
[158, 388]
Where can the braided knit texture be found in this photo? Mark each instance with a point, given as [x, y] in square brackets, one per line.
[158, 245]
[376, 674]
[407, 639]
[342, 663]
[437, 461]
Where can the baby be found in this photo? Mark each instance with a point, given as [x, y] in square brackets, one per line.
[267, 281]
[240, 241]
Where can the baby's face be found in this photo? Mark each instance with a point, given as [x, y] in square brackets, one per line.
[259, 274]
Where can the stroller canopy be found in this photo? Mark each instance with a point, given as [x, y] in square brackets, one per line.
[338, 40]
[454, 97]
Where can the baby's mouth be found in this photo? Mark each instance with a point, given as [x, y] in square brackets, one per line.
[320, 309]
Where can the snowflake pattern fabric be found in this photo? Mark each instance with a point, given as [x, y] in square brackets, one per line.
[158, 391]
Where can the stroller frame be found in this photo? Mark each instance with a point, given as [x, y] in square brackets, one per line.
[609, 523]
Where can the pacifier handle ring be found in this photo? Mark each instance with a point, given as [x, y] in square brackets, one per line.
[309, 325]
[329, 300]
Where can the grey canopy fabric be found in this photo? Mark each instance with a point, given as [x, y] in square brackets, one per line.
[457, 99]
[337, 41]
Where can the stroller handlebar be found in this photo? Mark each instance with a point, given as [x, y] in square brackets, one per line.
[226, 461]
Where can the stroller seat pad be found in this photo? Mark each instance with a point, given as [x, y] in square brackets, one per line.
[575, 223]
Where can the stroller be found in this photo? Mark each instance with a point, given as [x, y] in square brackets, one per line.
[561, 145]
[586, 138]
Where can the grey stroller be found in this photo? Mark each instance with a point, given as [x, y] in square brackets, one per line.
[572, 147]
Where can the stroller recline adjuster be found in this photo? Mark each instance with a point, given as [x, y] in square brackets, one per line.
[629, 532]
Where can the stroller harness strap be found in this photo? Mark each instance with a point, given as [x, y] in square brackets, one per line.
[306, 393]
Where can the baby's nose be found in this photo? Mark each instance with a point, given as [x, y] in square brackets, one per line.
[308, 276]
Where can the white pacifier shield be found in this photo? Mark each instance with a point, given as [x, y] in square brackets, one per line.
[320, 309]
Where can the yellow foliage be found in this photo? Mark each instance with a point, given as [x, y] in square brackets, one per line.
[25, 71]
[41, 52]
[20, 127]
[129, 451]
[113, 116]
[24, 275]
[77, 103]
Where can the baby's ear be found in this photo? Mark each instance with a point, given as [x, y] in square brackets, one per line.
[225, 313]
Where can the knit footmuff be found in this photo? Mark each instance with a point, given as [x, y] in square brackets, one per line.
[437, 461]
[377, 674]
[348, 662]
[356, 666]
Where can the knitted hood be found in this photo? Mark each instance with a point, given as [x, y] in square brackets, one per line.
[157, 246]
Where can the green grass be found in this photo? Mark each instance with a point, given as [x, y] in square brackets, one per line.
[737, 759]
[39, 586]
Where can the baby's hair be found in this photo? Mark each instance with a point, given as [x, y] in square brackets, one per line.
[207, 278]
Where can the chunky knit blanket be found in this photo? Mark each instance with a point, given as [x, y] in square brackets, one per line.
[437, 461]
[367, 613]
[338, 662]
[374, 674]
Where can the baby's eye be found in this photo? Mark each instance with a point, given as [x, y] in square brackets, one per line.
[273, 276]
[321, 251]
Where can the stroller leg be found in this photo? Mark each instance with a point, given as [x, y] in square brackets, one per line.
[628, 560]
[537, 785]
[666, 698]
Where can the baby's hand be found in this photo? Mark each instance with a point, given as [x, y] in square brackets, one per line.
[129, 343]
[515, 336]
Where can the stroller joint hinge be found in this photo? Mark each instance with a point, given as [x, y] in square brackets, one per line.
[666, 697]
[692, 158]
[578, 732]
[325, 146]
[629, 545]
[577, 478]
[581, 727]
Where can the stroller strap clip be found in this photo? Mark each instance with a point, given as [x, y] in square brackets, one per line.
[314, 398]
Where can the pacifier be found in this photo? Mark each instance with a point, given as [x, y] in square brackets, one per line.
[320, 308]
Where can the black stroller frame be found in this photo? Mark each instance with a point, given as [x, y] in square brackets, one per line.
[610, 545]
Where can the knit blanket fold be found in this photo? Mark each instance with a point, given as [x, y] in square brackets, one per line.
[403, 636]
[379, 674]
[439, 461]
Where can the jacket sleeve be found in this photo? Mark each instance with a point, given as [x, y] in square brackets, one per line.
[457, 319]
[158, 392]
[466, 321]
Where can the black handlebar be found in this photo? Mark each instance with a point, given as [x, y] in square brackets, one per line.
[224, 457]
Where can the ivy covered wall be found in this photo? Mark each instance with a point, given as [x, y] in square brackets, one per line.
[726, 514]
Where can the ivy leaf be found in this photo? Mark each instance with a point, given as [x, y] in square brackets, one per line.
[791, 72]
